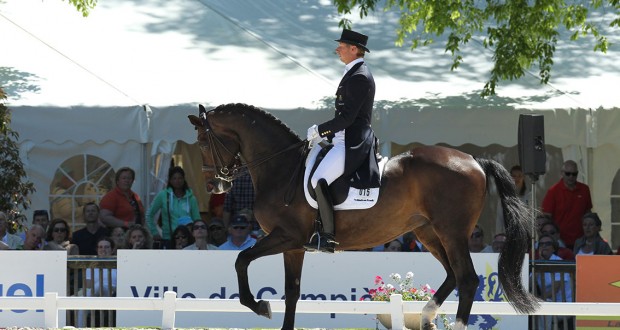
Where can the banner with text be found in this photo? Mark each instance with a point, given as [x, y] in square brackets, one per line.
[341, 276]
[31, 274]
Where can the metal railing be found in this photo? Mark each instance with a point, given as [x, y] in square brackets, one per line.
[554, 282]
[89, 276]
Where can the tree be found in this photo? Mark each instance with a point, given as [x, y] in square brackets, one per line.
[84, 6]
[521, 33]
[14, 188]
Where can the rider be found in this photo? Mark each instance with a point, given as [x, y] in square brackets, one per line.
[349, 131]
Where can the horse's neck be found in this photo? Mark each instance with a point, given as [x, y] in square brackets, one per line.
[266, 157]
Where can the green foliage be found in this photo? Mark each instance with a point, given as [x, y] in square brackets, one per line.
[84, 6]
[521, 33]
[14, 192]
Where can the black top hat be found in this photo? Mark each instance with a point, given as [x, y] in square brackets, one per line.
[354, 38]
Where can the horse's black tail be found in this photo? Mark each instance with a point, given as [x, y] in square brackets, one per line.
[517, 223]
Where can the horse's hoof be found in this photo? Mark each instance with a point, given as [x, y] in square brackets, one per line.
[264, 309]
[429, 326]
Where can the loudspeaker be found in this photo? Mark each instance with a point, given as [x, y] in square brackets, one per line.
[532, 154]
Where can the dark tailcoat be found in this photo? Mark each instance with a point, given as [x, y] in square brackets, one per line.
[354, 101]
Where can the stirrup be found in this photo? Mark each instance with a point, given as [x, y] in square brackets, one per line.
[323, 243]
[313, 247]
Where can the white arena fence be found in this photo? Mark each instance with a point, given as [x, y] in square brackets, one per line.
[169, 304]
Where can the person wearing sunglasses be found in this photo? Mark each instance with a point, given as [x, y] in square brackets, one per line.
[181, 238]
[239, 234]
[59, 236]
[476, 241]
[200, 232]
[552, 286]
[566, 202]
[551, 229]
[217, 232]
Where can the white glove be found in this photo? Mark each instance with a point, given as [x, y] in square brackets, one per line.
[313, 132]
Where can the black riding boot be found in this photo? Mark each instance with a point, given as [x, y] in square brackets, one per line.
[324, 239]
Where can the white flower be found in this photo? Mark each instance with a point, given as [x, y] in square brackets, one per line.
[409, 275]
[389, 286]
[396, 277]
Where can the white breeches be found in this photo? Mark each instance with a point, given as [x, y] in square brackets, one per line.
[332, 166]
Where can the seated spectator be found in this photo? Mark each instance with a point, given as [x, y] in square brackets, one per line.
[121, 207]
[554, 287]
[87, 237]
[591, 242]
[59, 237]
[411, 243]
[200, 234]
[137, 237]
[476, 241]
[498, 242]
[118, 237]
[181, 238]
[541, 219]
[393, 246]
[96, 286]
[100, 282]
[551, 229]
[217, 232]
[34, 237]
[41, 218]
[9, 241]
[238, 234]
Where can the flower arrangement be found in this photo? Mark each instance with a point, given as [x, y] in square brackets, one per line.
[404, 287]
[401, 286]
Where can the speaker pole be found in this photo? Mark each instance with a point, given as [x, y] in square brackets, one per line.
[534, 179]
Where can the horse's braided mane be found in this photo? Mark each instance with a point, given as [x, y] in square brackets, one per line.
[241, 107]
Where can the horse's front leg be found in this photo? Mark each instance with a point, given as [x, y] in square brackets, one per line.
[245, 294]
[293, 263]
[274, 243]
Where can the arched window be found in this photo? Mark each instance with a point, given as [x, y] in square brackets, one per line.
[79, 180]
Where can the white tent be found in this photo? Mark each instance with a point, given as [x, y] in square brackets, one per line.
[119, 84]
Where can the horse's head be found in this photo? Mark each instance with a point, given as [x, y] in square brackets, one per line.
[221, 159]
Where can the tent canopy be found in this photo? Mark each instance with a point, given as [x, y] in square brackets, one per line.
[120, 83]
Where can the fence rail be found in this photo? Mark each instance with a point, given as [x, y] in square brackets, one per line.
[51, 304]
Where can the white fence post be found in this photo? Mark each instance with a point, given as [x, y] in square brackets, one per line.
[396, 311]
[169, 310]
[51, 310]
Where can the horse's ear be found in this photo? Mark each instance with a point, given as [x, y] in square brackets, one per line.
[195, 121]
[201, 109]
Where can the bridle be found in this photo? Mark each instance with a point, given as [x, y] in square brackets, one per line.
[239, 166]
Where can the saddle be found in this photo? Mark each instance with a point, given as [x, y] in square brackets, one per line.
[357, 191]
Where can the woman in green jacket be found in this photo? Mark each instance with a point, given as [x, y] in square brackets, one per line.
[177, 204]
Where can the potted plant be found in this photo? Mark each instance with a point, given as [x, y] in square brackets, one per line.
[406, 288]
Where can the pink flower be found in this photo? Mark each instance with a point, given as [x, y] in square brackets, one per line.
[378, 280]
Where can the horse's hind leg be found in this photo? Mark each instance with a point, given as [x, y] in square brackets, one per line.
[466, 280]
[427, 236]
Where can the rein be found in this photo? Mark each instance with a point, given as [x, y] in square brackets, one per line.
[236, 169]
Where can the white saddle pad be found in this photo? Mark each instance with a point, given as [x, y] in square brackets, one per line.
[356, 200]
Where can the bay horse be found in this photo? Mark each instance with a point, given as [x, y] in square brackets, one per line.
[436, 192]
